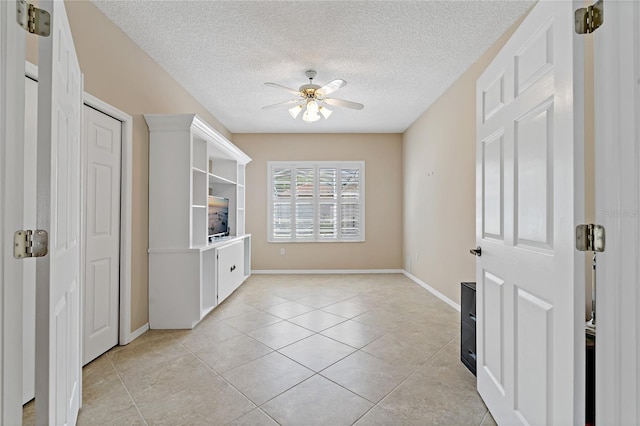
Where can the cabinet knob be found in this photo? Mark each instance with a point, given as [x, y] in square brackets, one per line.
[233, 268]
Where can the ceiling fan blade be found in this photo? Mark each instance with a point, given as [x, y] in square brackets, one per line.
[341, 103]
[278, 86]
[331, 87]
[281, 104]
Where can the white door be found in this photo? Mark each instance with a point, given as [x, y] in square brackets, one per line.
[29, 279]
[529, 177]
[12, 44]
[617, 162]
[102, 145]
[58, 369]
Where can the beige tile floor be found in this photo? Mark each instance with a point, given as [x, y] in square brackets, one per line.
[294, 350]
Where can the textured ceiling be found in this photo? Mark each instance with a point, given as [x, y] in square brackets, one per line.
[397, 56]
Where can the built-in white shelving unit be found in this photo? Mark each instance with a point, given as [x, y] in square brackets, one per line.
[190, 273]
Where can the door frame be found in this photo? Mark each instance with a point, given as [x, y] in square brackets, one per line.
[617, 161]
[125, 335]
[12, 52]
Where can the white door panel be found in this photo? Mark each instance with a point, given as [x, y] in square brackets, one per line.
[29, 279]
[12, 45]
[617, 162]
[58, 369]
[102, 142]
[529, 196]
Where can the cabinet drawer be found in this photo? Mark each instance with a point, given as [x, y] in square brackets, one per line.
[468, 347]
[468, 304]
[468, 338]
[469, 359]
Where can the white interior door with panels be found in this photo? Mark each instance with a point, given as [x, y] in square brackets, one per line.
[102, 146]
[30, 208]
[530, 278]
[617, 162]
[58, 362]
[12, 45]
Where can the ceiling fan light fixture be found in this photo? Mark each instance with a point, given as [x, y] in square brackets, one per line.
[293, 112]
[311, 114]
[325, 112]
[312, 107]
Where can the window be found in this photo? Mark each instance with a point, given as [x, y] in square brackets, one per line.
[316, 201]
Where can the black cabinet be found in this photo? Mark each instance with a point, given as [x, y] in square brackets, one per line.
[468, 326]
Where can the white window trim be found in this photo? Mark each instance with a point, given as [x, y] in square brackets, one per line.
[315, 164]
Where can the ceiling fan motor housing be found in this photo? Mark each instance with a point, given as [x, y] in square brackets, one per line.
[309, 90]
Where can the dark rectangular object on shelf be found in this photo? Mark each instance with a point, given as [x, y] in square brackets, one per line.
[468, 325]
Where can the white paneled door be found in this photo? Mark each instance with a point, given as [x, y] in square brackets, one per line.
[529, 179]
[617, 162]
[58, 363]
[102, 145]
[12, 47]
[29, 266]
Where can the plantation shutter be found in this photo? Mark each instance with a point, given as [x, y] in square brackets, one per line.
[321, 201]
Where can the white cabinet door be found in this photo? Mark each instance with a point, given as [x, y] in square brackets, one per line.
[230, 268]
[529, 179]
[58, 366]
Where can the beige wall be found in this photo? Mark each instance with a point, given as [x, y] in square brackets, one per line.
[382, 154]
[439, 185]
[117, 71]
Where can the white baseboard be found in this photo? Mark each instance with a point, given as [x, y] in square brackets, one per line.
[134, 335]
[433, 291]
[326, 271]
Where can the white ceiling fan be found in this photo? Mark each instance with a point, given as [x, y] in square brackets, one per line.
[312, 99]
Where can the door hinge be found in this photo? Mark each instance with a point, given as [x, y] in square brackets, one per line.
[590, 237]
[29, 243]
[32, 19]
[590, 18]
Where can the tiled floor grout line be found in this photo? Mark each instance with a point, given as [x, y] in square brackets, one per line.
[319, 373]
[484, 417]
[135, 404]
[278, 351]
[351, 390]
[405, 380]
[302, 365]
[256, 406]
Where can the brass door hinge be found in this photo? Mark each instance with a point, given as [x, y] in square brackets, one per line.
[27, 243]
[32, 19]
[590, 18]
[590, 237]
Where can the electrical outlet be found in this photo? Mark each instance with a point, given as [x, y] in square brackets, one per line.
[282, 251]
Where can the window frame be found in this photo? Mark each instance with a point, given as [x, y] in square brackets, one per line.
[316, 200]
